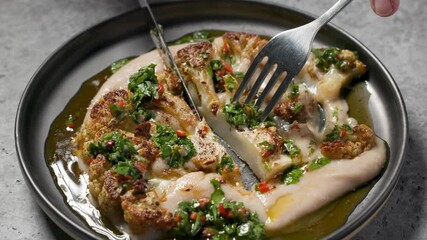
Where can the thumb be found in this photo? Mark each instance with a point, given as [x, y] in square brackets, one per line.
[384, 8]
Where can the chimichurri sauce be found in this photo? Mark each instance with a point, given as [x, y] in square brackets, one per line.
[58, 155]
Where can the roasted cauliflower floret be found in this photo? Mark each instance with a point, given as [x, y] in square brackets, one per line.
[145, 211]
[347, 143]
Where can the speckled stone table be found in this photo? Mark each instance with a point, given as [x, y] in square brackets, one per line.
[31, 30]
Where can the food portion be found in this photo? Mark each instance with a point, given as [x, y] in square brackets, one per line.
[154, 165]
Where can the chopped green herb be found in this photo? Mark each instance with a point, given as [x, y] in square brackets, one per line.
[175, 150]
[336, 133]
[118, 64]
[327, 57]
[297, 107]
[239, 115]
[141, 115]
[292, 175]
[144, 87]
[267, 146]
[196, 37]
[221, 219]
[226, 162]
[294, 90]
[118, 112]
[239, 75]
[230, 83]
[318, 163]
[217, 196]
[216, 65]
[291, 149]
[114, 147]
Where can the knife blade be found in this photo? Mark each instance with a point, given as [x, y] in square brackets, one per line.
[156, 32]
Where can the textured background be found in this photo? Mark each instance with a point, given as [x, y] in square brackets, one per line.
[31, 30]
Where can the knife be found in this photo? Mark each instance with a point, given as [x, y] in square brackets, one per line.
[156, 33]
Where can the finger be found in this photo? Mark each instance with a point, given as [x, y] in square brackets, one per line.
[384, 8]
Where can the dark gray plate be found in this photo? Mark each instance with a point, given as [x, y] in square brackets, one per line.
[63, 72]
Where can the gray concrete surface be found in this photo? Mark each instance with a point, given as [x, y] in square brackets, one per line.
[31, 30]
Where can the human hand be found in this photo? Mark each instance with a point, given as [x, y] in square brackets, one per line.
[384, 8]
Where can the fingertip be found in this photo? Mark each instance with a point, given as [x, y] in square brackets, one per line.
[385, 8]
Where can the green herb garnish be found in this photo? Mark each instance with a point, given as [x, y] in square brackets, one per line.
[267, 146]
[175, 150]
[294, 90]
[226, 162]
[144, 86]
[291, 149]
[337, 132]
[292, 175]
[239, 115]
[318, 163]
[114, 147]
[221, 219]
[327, 57]
[230, 83]
[118, 64]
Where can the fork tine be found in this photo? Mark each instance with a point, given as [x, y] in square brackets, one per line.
[277, 95]
[258, 82]
[267, 88]
[248, 76]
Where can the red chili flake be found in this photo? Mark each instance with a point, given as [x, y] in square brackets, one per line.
[220, 73]
[193, 216]
[121, 104]
[181, 133]
[178, 218]
[263, 187]
[70, 125]
[343, 133]
[140, 166]
[202, 202]
[160, 88]
[124, 178]
[227, 67]
[226, 47]
[222, 210]
[89, 160]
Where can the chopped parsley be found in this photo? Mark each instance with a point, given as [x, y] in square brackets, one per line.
[294, 90]
[119, 151]
[241, 115]
[338, 133]
[267, 146]
[297, 107]
[145, 88]
[217, 219]
[292, 175]
[318, 163]
[226, 162]
[230, 83]
[114, 147]
[291, 148]
[118, 64]
[327, 57]
[175, 150]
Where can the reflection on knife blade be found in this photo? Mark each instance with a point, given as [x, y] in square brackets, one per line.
[156, 32]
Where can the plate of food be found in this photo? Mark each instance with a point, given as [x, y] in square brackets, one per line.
[111, 149]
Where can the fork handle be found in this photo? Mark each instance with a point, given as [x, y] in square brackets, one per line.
[328, 15]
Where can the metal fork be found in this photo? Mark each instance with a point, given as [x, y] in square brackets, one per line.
[288, 50]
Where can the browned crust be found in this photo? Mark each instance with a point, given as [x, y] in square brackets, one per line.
[362, 139]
